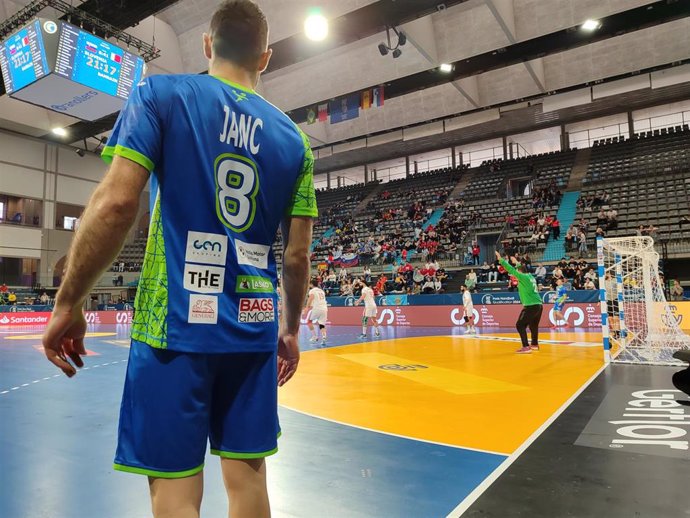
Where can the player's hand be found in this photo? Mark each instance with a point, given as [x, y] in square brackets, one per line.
[498, 255]
[64, 338]
[288, 357]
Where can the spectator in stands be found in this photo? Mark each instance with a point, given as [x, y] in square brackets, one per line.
[475, 253]
[582, 240]
[381, 284]
[342, 275]
[428, 286]
[555, 228]
[471, 280]
[557, 272]
[684, 220]
[367, 274]
[540, 273]
[493, 272]
[44, 298]
[484, 273]
[589, 284]
[441, 275]
[569, 241]
[3, 288]
[121, 266]
[11, 298]
[512, 283]
[676, 290]
[346, 288]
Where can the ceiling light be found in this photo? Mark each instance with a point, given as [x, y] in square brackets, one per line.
[60, 132]
[446, 68]
[316, 27]
[591, 25]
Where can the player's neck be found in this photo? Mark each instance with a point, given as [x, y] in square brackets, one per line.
[234, 74]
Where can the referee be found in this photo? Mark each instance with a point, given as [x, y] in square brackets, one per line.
[530, 299]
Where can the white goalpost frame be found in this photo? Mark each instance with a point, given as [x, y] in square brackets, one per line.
[646, 331]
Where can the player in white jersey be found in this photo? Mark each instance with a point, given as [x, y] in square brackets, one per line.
[468, 310]
[370, 310]
[316, 301]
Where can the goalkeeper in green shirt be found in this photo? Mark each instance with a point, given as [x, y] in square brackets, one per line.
[530, 299]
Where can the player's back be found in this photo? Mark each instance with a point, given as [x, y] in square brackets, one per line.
[319, 298]
[229, 166]
[368, 295]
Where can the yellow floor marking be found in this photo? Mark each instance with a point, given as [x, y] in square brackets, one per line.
[38, 337]
[440, 403]
[453, 381]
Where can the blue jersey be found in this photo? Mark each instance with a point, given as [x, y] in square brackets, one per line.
[561, 294]
[228, 166]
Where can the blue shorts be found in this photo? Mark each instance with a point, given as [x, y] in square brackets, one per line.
[558, 306]
[175, 402]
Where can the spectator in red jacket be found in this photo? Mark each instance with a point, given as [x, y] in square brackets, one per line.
[475, 253]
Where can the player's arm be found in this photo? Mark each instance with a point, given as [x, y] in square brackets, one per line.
[107, 220]
[310, 301]
[509, 267]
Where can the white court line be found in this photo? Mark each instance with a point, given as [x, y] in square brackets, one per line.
[474, 495]
[56, 376]
[569, 343]
[394, 434]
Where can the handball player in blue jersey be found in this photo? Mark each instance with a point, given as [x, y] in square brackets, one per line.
[561, 296]
[208, 352]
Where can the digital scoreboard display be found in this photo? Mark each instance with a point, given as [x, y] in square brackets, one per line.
[63, 68]
[93, 62]
[23, 59]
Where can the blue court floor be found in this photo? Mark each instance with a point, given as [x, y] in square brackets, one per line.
[57, 440]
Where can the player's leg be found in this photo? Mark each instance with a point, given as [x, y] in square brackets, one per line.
[324, 333]
[521, 326]
[176, 498]
[364, 326]
[375, 323]
[558, 315]
[245, 482]
[156, 436]
[310, 325]
[535, 318]
[244, 428]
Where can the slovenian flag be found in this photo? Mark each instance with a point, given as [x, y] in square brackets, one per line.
[91, 47]
[115, 57]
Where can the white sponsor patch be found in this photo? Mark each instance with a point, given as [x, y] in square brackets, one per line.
[206, 248]
[251, 254]
[204, 279]
[256, 311]
[203, 309]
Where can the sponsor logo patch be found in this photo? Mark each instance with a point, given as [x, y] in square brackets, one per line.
[206, 248]
[256, 311]
[204, 279]
[251, 254]
[253, 284]
[203, 309]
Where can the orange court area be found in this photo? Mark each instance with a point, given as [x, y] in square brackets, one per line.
[461, 391]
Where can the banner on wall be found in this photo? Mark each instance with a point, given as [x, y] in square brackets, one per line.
[41, 318]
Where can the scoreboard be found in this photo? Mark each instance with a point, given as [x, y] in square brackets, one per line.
[63, 68]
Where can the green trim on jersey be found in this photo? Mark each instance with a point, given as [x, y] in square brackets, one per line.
[233, 455]
[158, 474]
[150, 323]
[110, 151]
[235, 85]
[303, 201]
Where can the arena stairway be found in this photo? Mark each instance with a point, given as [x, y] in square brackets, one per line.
[555, 248]
[434, 218]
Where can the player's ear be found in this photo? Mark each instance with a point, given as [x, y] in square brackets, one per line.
[208, 46]
[264, 60]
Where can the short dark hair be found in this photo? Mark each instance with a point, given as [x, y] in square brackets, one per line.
[240, 32]
[315, 282]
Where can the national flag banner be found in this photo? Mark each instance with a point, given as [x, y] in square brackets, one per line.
[366, 99]
[323, 112]
[378, 96]
[345, 108]
[311, 115]
[115, 57]
[349, 260]
[91, 47]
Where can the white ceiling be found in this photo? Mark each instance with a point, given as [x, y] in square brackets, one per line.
[468, 29]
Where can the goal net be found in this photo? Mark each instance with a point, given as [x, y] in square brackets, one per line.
[638, 324]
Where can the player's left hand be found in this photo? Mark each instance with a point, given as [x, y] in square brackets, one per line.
[64, 338]
[288, 357]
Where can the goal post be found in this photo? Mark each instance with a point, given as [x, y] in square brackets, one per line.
[638, 324]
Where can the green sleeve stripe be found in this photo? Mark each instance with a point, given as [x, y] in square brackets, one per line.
[158, 474]
[233, 455]
[303, 201]
[130, 154]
